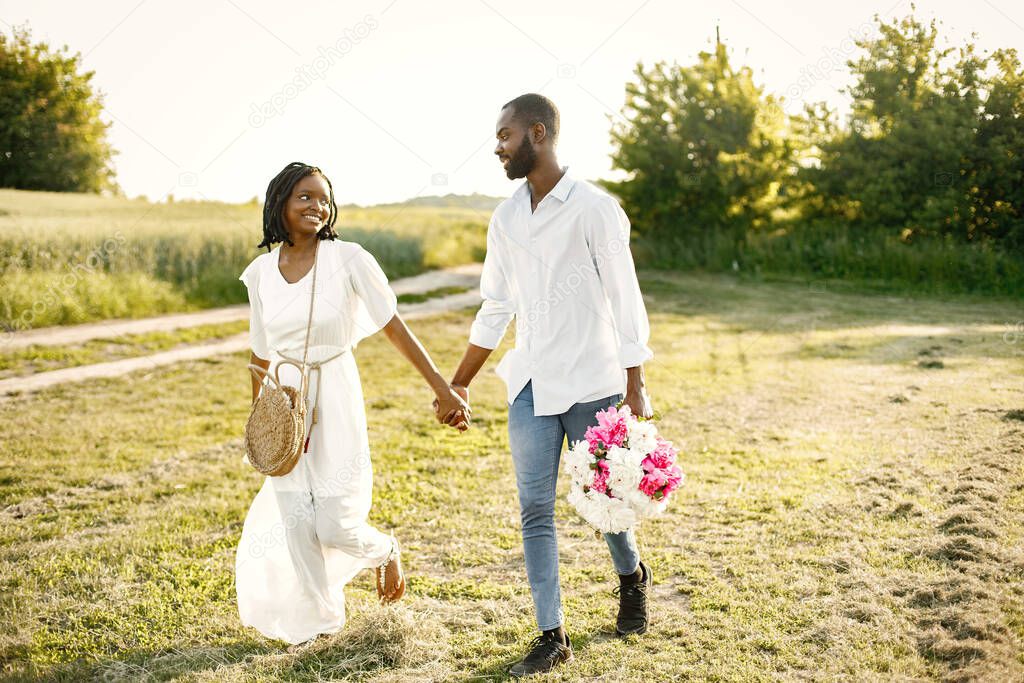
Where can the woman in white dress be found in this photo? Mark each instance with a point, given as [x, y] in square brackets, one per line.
[306, 534]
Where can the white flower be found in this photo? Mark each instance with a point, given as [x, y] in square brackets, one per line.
[607, 515]
[587, 504]
[642, 436]
[644, 506]
[576, 498]
[624, 471]
[623, 518]
[617, 516]
[577, 464]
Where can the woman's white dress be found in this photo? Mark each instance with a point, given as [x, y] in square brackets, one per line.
[306, 533]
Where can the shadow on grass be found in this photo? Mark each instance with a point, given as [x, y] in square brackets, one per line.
[350, 653]
[927, 351]
[152, 664]
[580, 644]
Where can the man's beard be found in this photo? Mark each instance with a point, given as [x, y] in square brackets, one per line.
[520, 164]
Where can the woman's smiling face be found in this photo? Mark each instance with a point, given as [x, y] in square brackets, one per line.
[308, 206]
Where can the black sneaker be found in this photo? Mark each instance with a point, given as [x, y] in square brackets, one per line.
[545, 654]
[633, 616]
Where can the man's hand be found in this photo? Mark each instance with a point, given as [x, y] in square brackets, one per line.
[636, 394]
[639, 403]
[452, 408]
[472, 360]
[460, 421]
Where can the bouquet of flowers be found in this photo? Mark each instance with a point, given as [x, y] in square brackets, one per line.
[622, 471]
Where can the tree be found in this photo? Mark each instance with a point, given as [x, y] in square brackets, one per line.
[704, 149]
[934, 143]
[898, 164]
[997, 163]
[51, 134]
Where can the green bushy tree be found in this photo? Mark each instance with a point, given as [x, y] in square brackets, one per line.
[51, 134]
[997, 162]
[933, 144]
[704, 150]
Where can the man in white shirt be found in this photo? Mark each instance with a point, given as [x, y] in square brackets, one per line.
[558, 261]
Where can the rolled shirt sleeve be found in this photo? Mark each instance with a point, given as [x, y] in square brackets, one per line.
[498, 307]
[257, 331]
[609, 244]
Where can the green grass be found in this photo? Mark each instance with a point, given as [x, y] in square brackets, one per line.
[71, 258]
[848, 514]
[419, 298]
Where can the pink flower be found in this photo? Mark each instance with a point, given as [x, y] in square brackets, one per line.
[674, 477]
[600, 483]
[662, 457]
[666, 448]
[653, 482]
[611, 429]
[653, 463]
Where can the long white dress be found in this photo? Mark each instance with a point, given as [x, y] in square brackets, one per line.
[306, 533]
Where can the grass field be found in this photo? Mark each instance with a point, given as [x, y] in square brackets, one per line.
[854, 509]
[71, 258]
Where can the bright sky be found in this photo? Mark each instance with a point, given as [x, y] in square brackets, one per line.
[399, 97]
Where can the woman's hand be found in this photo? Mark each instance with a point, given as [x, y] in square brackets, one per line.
[451, 408]
[256, 381]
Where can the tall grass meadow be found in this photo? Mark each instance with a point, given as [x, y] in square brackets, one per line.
[69, 258]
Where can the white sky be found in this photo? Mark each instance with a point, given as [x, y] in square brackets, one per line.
[408, 105]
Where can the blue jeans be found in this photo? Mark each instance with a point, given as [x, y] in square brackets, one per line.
[536, 443]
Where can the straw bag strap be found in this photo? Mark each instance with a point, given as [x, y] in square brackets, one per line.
[315, 367]
[303, 383]
[305, 348]
[309, 322]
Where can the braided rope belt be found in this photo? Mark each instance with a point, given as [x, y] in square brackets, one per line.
[312, 366]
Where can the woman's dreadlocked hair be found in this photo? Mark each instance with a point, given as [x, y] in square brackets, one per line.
[278, 191]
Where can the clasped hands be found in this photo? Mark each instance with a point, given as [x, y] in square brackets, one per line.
[451, 407]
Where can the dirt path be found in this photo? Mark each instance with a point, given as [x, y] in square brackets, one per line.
[459, 276]
[421, 283]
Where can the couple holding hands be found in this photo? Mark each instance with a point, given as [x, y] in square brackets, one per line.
[558, 263]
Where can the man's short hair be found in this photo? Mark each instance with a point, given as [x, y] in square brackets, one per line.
[532, 108]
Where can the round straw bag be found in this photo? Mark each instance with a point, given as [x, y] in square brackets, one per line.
[275, 433]
[275, 430]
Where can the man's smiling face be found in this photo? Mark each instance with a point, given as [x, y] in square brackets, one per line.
[514, 150]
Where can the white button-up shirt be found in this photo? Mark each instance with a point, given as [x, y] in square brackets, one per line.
[565, 273]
